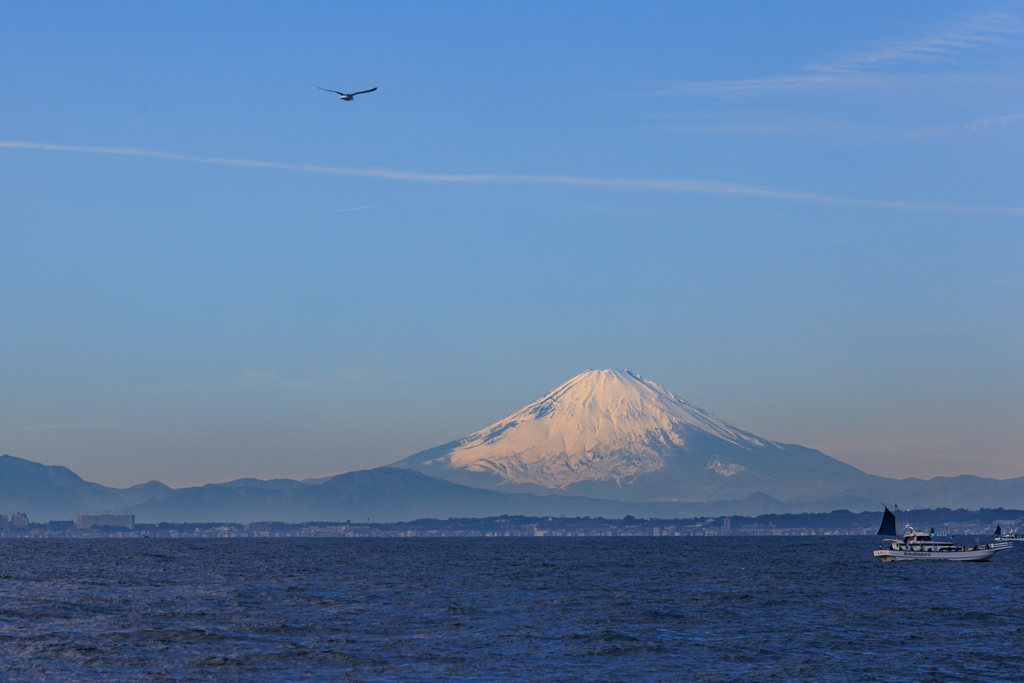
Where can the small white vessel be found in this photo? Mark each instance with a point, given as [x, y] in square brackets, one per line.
[1011, 536]
[918, 545]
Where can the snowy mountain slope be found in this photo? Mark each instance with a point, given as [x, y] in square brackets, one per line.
[614, 434]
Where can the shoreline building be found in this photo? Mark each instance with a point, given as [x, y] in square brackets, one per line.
[19, 520]
[89, 521]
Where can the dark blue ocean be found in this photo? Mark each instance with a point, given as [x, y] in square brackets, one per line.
[599, 609]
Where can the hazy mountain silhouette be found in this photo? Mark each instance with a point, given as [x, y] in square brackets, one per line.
[383, 495]
[51, 492]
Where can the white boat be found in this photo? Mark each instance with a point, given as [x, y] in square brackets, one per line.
[918, 545]
[1011, 536]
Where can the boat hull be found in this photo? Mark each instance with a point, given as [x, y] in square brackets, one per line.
[979, 555]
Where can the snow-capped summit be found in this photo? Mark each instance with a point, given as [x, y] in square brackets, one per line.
[603, 424]
[615, 434]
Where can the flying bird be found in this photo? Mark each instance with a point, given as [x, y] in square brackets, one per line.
[345, 96]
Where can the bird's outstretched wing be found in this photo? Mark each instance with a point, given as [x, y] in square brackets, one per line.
[362, 91]
[333, 91]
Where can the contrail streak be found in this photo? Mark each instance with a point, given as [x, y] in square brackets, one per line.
[668, 185]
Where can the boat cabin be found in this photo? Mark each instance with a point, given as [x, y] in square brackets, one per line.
[918, 540]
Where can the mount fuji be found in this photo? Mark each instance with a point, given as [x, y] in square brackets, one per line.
[605, 443]
[615, 435]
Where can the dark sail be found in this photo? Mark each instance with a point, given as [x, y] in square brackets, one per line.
[999, 531]
[888, 527]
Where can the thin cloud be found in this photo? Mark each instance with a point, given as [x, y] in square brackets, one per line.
[994, 121]
[865, 68]
[936, 132]
[973, 126]
[976, 33]
[357, 208]
[667, 185]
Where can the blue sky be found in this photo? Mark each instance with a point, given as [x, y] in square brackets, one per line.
[807, 220]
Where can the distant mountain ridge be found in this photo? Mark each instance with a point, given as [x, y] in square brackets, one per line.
[29, 486]
[390, 494]
[384, 494]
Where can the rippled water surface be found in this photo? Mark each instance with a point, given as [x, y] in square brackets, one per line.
[716, 609]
